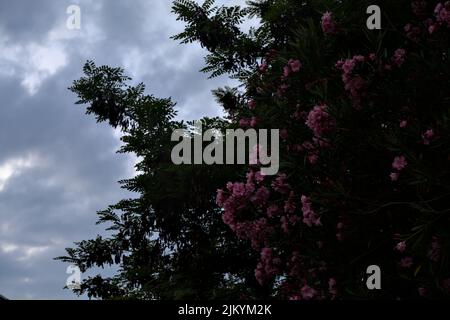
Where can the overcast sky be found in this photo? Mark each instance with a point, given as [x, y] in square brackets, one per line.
[57, 165]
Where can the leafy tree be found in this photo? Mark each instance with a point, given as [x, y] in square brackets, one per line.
[170, 242]
[364, 123]
[364, 119]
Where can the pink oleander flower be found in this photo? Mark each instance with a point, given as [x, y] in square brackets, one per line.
[252, 104]
[434, 253]
[403, 124]
[261, 196]
[221, 197]
[399, 57]
[328, 23]
[442, 12]
[259, 177]
[272, 211]
[423, 292]
[244, 123]
[353, 83]
[313, 157]
[394, 176]
[282, 89]
[428, 136]
[286, 71]
[349, 65]
[332, 284]
[280, 185]
[320, 121]
[295, 65]
[253, 122]
[412, 33]
[239, 189]
[446, 284]
[406, 262]
[308, 293]
[399, 163]
[310, 218]
[289, 205]
[432, 28]
[284, 224]
[268, 266]
[400, 247]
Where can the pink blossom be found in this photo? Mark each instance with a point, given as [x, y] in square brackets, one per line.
[252, 104]
[284, 224]
[295, 65]
[399, 57]
[401, 246]
[394, 176]
[313, 157]
[434, 253]
[308, 293]
[289, 205]
[221, 197]
[320, 121]
[442, 12]
[253, 122]
[244, 123]
[348, 65]
[332, 284]
[406, 262]
[428, 136]
[239, 189]
[273, 210]
[432, 28]
[328, 23]
[310, 218]
[412, 32]
[286, 71]
[268, 265]
[403, 124]
[259, 177]
[261, 196]
[282, 89]
[446, 284]
[423, 292]
[339, 64]
[399, 163]
[280, 185]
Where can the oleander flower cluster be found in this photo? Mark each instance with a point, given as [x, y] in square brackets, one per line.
[365, 159]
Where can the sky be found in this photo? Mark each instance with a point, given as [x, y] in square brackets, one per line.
[58, 167]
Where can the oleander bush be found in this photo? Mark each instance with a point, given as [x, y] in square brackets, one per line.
[365, 160]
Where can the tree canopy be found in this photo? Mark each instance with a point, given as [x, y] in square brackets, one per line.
[365, 159]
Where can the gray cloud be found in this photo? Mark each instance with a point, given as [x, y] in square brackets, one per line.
[57, 166]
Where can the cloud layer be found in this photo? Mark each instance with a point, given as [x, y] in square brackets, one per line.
[57, 166]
